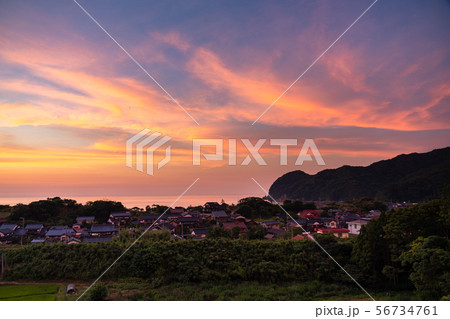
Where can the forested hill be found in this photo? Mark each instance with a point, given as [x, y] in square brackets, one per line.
[412, 177]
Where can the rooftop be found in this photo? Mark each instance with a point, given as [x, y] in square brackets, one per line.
[33, 226]
[219, 214]
[333, 230]
[358, 221]
[59, 232]
[120, 214]
[200, 231]
[102, 228]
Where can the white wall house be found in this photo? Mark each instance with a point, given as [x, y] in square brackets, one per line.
[355, 226]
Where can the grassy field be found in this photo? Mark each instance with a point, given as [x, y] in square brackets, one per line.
[28, 292]
[137, 289]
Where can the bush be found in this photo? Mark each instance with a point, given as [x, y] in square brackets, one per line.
[98, 293]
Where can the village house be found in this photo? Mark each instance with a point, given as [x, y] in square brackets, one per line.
[315, 223]
[6, 231]
[273, 233]
[58, 233]
[34, 229]
[119, 218]
[19, 232]
[188, 221]
[301, 237]
[78, 230]
[199, 232]
[330, 223]
[212, 206]
[219, 216]
[166, 226]
[103, 231]
[85, 219]
[337, 232]
[355, 226]
[192, 214]
[271, 224]
[373, 214]
[149, 218]
[184, 223]
[309, 213]
[298, 223]
[8, 227]
[178, 210]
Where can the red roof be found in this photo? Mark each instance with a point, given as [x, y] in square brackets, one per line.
[333, 230]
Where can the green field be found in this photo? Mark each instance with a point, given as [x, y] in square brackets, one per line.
[137, 289]
[28, 292]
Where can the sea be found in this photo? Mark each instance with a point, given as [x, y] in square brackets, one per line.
[139, 201]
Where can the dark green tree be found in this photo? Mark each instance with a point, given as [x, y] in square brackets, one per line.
[98, 293]
[430, 260]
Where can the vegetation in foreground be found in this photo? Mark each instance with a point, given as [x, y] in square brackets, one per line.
[28, 292]
[136, 289]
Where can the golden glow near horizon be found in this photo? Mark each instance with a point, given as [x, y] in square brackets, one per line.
[70, 98]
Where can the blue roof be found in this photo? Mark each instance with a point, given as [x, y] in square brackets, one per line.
[219, 213]
[302, 222]
[103, 228]
[166, 225]
[6, 231]
[8, 226]
[120, 214]
[188, 219]
[19, 232]
[59, 232]
[58, 227]
[33, 226]
[200, 231]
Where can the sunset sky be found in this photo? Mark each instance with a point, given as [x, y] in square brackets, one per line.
[70, 97]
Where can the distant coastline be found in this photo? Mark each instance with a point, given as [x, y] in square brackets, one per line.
[137, 201]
